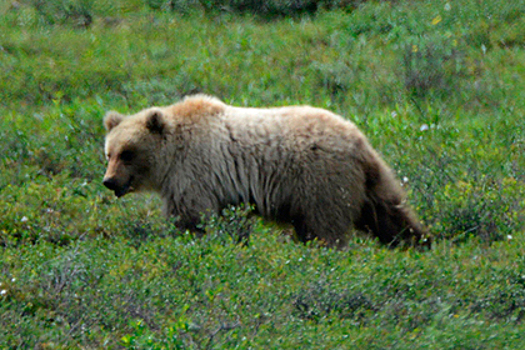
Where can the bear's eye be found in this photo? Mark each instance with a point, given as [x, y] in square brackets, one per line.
[127, 156]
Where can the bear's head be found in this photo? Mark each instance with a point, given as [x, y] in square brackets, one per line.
[133, 149]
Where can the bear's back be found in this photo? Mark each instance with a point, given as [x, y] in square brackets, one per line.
[293, 123]
[295, 127]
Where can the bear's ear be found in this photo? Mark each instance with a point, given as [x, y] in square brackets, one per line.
[112, 119]
[155, 122]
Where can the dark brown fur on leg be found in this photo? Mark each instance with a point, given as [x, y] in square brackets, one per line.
[384, 214]
[392, 223]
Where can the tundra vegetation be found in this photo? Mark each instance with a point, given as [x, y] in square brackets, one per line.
[437, 86]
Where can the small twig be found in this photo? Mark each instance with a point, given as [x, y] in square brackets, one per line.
[223, 327]
[418, 108]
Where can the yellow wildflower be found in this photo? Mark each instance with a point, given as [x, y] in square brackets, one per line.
[436, 20]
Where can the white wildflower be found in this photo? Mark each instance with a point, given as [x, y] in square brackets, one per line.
[423, 127]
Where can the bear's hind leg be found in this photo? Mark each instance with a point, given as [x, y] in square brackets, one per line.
[392, 223]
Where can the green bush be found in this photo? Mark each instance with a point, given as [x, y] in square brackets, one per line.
[78, 13]
[485, 209]
[235, 222]
[182, 6]
[263, 8]
[432, 65]
[266, 7]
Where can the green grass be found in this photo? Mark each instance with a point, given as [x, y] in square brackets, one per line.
[437, 87]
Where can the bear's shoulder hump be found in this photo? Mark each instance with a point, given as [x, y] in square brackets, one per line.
[196, 107]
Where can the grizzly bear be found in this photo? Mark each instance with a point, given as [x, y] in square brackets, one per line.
[300, 165]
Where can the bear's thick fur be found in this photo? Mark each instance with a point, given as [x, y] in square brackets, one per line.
[300, 165]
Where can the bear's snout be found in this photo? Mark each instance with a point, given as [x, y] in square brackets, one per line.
[113, 185]
[110, 183]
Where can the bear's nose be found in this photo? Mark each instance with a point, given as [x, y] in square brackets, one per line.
[110, 183]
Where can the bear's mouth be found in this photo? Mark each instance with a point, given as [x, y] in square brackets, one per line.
[119, 192]
[126, 188]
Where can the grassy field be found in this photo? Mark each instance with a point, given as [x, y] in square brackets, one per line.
[439, 88]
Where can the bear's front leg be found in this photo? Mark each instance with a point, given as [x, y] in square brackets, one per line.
[191, 209]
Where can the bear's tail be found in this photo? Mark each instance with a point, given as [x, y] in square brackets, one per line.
[385, 213]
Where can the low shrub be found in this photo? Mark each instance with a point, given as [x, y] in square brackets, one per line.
[78, 13]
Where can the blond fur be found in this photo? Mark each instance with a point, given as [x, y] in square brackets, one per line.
[301, 165]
